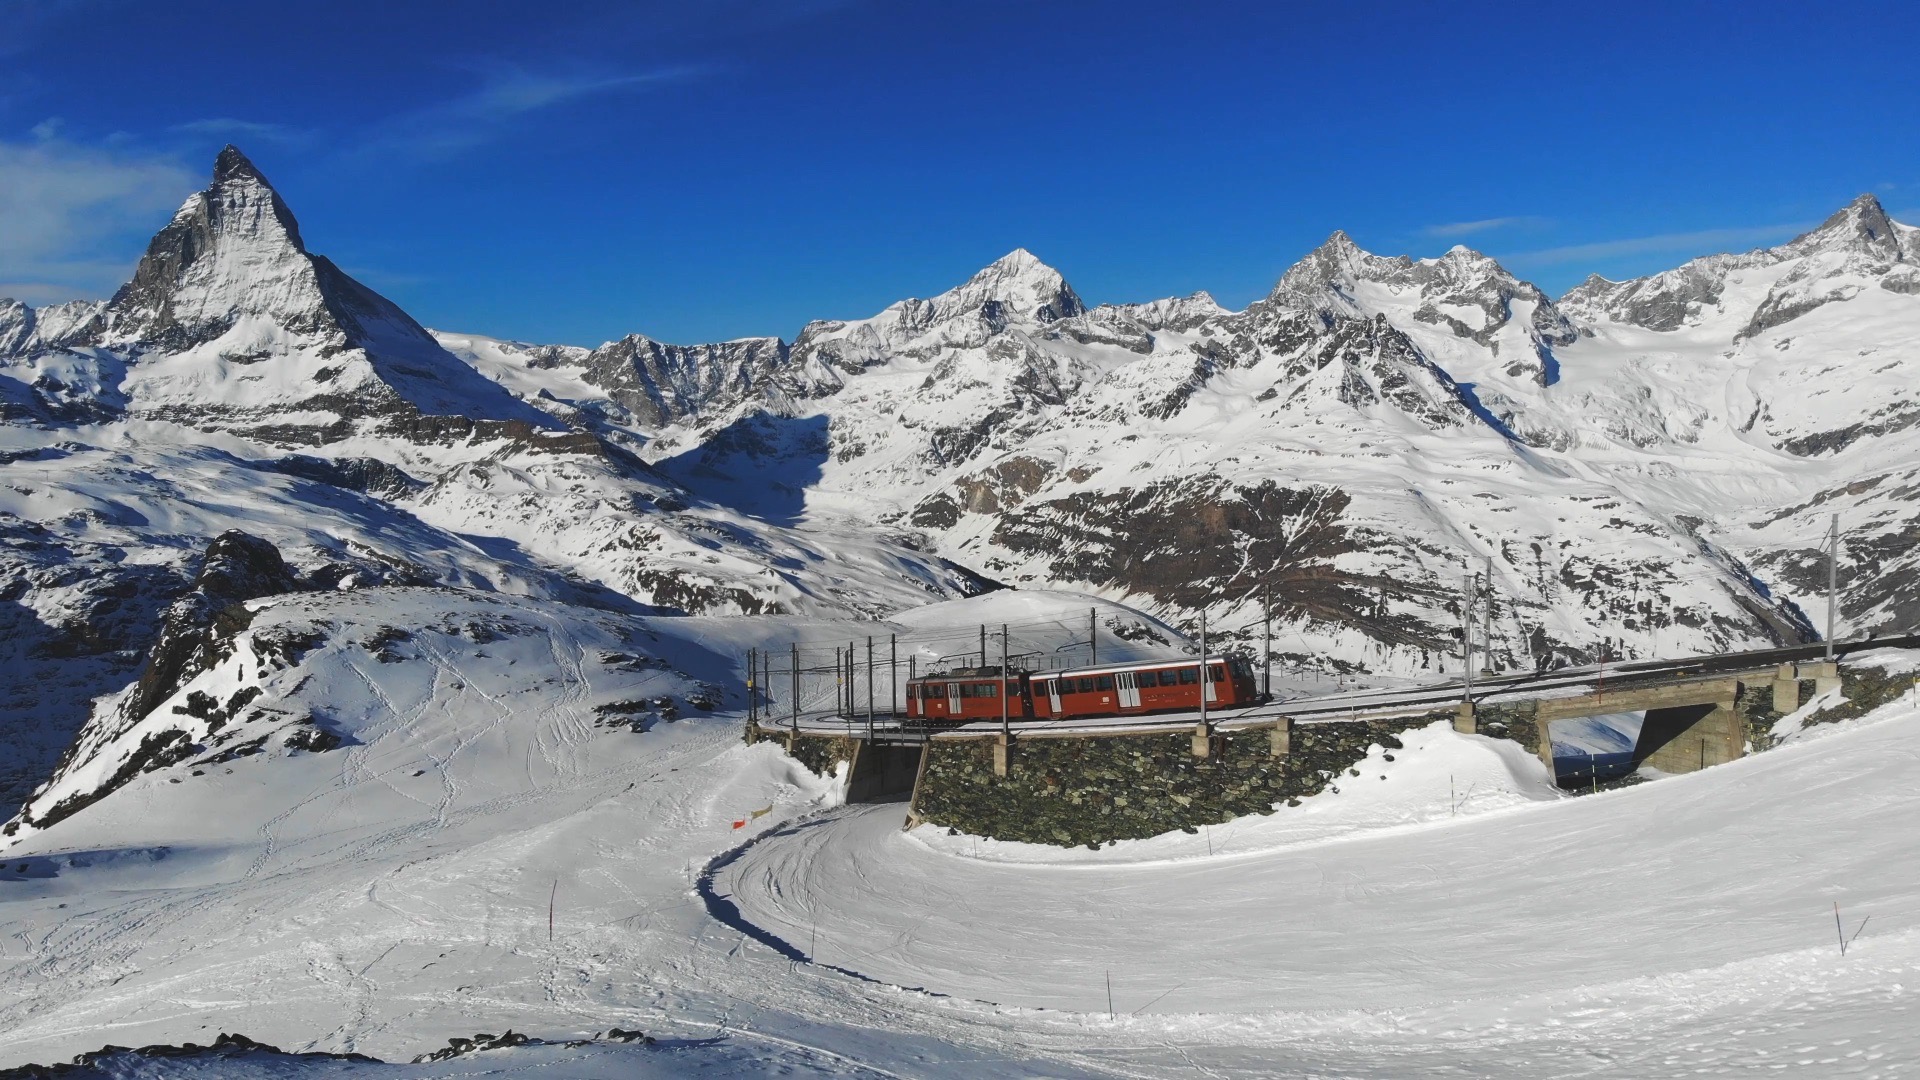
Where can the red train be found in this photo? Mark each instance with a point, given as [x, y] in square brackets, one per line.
[1138, 688]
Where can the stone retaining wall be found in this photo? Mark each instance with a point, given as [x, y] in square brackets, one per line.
[1099, 788]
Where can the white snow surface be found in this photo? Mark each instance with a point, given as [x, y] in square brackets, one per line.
[393, 893]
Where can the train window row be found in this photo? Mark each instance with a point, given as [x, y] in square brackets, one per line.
[935, 691]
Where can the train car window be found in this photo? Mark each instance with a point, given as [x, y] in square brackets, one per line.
[984, 689]
[1188, 676]
[1219, 673]
[1086, 685]
[1103, 682]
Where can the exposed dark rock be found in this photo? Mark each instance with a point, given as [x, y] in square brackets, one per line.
[1091, 791]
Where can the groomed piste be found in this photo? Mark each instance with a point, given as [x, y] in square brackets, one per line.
[1457, 917]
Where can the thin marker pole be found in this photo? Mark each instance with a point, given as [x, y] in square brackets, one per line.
[753, 703]
[555, 895]
[794, 673]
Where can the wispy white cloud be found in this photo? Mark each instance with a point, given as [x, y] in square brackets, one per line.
[1468, 228]
[505, 95]
[227, 127]
[69, 211]
[1700, 242]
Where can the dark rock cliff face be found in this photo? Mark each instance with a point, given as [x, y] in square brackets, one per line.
[237, 568]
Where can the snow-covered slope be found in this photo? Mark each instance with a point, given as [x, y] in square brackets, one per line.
[512, 833]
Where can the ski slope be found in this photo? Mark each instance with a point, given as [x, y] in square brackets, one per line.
[395, 892]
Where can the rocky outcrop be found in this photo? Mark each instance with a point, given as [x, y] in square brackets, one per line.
[237, 568]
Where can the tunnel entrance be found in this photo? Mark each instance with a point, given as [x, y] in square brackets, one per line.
[883, 772]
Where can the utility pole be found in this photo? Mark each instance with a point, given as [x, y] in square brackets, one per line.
[893, 674]
[869, 687]
[793, 659]
[1006, 684]
[1266, 643]
[1466, 640]
[1093, 636]
[766, 683]
[983, 646]
[1833, 581]
[1204, 673]
[1486, 615]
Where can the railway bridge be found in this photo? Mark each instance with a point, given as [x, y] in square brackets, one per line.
[1694, 714]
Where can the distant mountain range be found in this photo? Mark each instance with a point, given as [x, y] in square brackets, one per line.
[1649, 464]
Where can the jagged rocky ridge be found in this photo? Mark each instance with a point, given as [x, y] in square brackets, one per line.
[1432, 412]
[1645, 463]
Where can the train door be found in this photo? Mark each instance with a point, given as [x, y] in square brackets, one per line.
[1206, 683]
[1129, 689]
[1053, 697]
[954, 708]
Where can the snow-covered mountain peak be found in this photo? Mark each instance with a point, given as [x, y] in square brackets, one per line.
[1858, 250]
[1860, 227]
[1463, 294]
[1018, 286]
[229, 323]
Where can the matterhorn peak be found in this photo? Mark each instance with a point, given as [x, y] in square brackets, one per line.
[233, 165]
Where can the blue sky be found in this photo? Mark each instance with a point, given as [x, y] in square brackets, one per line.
[696, 171]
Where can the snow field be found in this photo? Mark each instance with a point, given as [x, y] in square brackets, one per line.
[339, 901]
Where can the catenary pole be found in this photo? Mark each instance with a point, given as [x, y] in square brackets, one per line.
[1006, 684]
[893, 674]
[1486, 621]
[1833, 581]
[1266, 641]
[869, 687]
[1204, 673]
[1093, 637]
[753, 703]
[983, 645]
[1466, 639]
